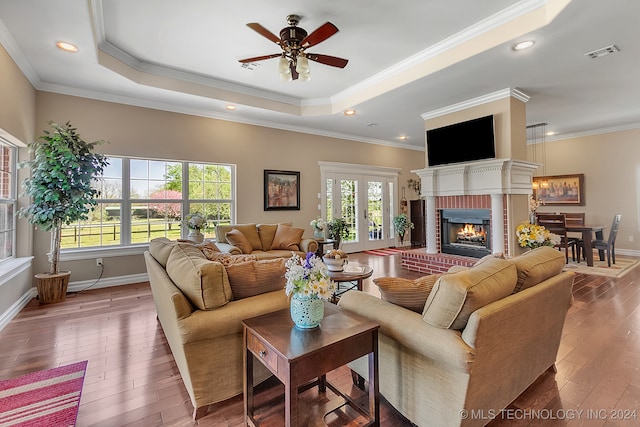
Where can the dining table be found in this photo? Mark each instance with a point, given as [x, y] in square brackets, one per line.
[587, 235]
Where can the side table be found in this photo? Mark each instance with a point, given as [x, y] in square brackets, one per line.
[300, 359]
[353, 275]
[322, 244]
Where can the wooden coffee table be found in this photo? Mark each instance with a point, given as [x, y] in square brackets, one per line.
[301, 358]
[353, 275]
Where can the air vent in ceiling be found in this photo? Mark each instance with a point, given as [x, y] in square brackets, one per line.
[371, 124]
[602, 51]
[250, 66]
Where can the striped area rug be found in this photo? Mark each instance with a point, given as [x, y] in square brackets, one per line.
[385, 251]
[44, 398]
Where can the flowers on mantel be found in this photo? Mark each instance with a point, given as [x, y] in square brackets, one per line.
[534, 236]
[308, 277]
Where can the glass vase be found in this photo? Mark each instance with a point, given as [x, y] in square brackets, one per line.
[306, 311]
[318, 234]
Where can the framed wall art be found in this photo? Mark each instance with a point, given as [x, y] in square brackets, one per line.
[281, 190]
[559, 189]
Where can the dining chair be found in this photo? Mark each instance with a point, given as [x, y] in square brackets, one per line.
[575, 218]
[608, 245]
[556, 224]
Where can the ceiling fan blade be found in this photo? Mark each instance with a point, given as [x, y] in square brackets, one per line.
[321, 34]
[260, 58]
[264, 32]
[327, 60]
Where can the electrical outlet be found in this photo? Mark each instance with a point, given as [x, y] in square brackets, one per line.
[99, 262]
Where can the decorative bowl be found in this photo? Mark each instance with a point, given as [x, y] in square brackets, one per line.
[335, 264]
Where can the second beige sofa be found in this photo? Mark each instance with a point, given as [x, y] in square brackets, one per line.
[265, 241]
[476, 346]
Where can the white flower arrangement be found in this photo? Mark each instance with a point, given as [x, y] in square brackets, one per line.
[318, 224]
[308, 277]
[534, 236]
[195, 221]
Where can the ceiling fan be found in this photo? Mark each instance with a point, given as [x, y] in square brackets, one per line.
[294, 41]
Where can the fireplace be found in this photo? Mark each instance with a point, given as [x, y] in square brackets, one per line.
[465, 232]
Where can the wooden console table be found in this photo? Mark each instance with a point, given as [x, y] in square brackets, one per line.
[300, 359]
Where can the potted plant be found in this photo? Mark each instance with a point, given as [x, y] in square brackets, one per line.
[401, 224]
[337, 229]
[63, 167]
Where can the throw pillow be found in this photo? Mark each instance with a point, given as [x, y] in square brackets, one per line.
[537, 265]
[249, 230]
[267, 232]
[456, 295]
[203, 283]
[228, 259]
[160, 248]
[287, 238]
[410, 294]
[236, 238]
[252, 278]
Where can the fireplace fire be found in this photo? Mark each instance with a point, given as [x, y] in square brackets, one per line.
[466, 232]
[472, 234]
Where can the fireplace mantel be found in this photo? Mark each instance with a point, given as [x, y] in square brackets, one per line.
[495, 176]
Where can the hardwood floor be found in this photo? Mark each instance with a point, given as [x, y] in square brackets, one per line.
[132, 379]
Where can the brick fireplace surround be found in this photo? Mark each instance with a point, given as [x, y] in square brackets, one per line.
[475, 185]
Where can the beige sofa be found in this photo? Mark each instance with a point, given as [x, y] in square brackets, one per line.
[477, 345]
[265, 241]
[201, 312]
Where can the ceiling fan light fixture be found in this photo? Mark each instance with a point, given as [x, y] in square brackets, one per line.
[283, 65]
[302, 65]
[293, 40]
[285, 77]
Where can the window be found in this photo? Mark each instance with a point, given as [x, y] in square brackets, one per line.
[7, 199]
[142, 199]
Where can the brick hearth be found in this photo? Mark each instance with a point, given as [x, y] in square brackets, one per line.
[419, 260]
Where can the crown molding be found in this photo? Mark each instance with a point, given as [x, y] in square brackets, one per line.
[10, 45]
[474, 102]
[591, 132]
[203, 112]
[491, 23]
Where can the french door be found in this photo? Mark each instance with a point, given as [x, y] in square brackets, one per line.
[366, 203]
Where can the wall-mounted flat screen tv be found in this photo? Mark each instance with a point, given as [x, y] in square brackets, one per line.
[461, 142]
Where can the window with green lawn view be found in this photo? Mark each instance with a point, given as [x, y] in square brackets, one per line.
[141, 199]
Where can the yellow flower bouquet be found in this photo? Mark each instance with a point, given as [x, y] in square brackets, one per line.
[534, 236]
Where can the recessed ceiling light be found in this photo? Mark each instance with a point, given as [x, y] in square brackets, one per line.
[523, 45]
[403, 137]
[550, 133]
[349, 112]
[67, 46]
[231, 107]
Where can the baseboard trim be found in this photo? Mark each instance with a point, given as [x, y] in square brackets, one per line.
[15, 308]
[107, 282]
[78, 286]
[628, 252]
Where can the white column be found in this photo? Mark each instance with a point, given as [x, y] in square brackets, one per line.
[497, 223]
[432, 244]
